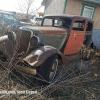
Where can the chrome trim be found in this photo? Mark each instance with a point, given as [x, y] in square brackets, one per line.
[38, 39]
[24, 28]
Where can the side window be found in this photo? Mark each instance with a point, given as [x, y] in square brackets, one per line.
[67, 23]
[58, 22]
[9, 18]
[48, 22]
[63, 22]
[78, 25]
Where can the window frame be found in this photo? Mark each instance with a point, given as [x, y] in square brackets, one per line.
[76, 21]
[89, 6]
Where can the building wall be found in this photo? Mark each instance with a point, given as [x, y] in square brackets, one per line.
[96, 17]
[54, 7]
[96, 38]
[74, 7]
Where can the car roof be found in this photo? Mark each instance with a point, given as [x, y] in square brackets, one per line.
[6, 12]
[70, 16]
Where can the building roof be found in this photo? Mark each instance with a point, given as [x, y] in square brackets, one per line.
[44, 2]
[93, 1]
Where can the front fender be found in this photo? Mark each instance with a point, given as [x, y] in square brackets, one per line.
[38, 56]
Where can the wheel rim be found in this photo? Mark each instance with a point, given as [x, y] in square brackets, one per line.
[86, 51]
[53, 71]
[89, 52]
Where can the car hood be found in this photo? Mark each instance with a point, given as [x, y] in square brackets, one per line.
[51, 36]
[25, 24]
[48, 30]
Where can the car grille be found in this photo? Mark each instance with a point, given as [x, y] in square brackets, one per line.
[22, 45]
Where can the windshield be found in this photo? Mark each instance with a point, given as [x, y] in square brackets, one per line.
[9, 18]
[57, 22]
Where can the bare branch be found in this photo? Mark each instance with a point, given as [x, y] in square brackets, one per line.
[27, 7]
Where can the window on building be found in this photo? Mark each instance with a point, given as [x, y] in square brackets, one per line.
[88, 11]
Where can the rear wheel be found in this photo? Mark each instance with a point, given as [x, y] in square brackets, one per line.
[86, 51]
[47, 71]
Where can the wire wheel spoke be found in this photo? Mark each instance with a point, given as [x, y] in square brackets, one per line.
[53, 69]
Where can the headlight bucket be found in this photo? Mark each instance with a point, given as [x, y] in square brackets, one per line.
[34, 41]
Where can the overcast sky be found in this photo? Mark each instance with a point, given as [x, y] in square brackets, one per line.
[12, 5]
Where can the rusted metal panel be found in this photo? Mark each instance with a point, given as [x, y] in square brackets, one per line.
[50, 35]
[39, 55]
[26, 70]
[56, 41]
[20, 68]
[75, 40]
[48, 30]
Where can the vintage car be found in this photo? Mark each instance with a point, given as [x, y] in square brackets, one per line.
[10, 19]
[36, 21]
[59, 40]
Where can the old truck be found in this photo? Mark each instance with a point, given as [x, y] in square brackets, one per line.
[59, 40]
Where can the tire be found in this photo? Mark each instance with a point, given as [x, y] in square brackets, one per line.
[46, 73]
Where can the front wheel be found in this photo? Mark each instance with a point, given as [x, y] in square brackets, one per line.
[47, 71]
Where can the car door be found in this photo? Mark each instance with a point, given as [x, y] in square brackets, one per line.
[76, 38]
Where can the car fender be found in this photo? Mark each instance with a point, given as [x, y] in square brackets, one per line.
[6, 45]
[39, 55]
[88, 42]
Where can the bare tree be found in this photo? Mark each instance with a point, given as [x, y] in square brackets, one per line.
[28, 7]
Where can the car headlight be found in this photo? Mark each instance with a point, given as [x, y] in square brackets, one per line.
[34, 41]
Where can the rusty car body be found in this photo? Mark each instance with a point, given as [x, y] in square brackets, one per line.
[59, 39]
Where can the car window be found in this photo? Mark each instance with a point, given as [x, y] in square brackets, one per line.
[58, 22]
[78, 26]
[66, 22]
[48, 22]
[9, 18]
